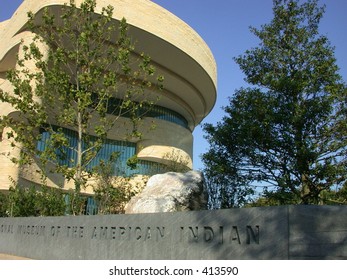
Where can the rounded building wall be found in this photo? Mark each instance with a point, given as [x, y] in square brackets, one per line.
[165, 138]
[9, 170]
[179, 54]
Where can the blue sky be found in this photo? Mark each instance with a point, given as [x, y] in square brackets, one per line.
[224, 25]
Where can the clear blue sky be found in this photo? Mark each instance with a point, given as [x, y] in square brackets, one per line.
[224, 25]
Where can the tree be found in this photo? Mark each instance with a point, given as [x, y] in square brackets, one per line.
[280, 135]
[79, 72]
[112, 193]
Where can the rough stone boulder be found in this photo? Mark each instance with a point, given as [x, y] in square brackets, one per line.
[170, 192]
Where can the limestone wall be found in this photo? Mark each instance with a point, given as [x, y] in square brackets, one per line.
[178, 53]
[287, 232]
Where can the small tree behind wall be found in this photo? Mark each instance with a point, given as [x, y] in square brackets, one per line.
[85, 76]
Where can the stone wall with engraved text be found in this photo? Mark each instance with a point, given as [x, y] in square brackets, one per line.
[287, 232]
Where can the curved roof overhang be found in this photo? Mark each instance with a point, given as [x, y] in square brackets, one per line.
[177, 51]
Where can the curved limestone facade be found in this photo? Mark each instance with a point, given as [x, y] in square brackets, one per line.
[177, 52]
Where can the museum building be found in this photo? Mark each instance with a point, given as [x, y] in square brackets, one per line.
[177, 52]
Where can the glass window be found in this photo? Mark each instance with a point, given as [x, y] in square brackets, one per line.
[68, 156]
[155, 111]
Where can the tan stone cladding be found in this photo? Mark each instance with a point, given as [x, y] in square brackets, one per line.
[179, 54]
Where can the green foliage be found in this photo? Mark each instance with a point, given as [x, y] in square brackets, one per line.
[111, 198]
[23, 202]
[4, 205]
[176, 162]
[327, 197]
[281, 134]
[332, 197]
[32, 202]
[50, 202]
[82, 59]
[112, 193]
[75, 203]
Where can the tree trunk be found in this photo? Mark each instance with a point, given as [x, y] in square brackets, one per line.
[78, 177]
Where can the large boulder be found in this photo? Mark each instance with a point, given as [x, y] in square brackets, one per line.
[170, 192]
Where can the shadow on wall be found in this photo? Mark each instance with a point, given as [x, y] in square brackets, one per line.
[318, 232]
[281, 232]
[252, 233]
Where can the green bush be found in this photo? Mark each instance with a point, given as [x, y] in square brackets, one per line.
[32, 202]
[3, 205]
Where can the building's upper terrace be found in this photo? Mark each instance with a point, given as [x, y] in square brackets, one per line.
[178, 52]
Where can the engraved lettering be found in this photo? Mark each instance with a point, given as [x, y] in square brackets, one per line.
[181, 234]
[68, 231]
[234, 235]
[31, 230]
[251, 235]
[195, 234]
[138, 233]
[94, 233]
[75, 231]
[55, 230]
[81, 232]
[221, 230]
[113, 232]
[148, 234]
[19, 229]
[208, 234]
[6, 229]
[103, 232]
[122, 231]
[160, 232]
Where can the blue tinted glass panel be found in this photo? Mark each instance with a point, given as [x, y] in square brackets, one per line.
[126, 150]
[157, 112]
